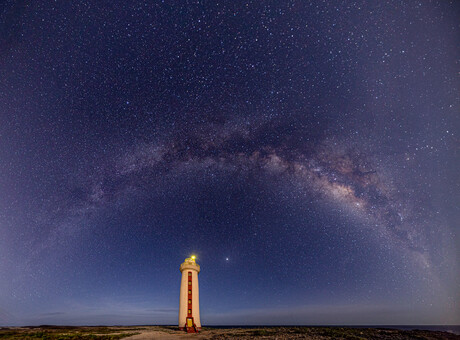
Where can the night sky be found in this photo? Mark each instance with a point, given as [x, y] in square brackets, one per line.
[307, 152]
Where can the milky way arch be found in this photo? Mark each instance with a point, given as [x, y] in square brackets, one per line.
[337, 172]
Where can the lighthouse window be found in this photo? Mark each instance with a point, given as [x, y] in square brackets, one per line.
[189, 274]
[190, 311]
[190, 292]
[190, 283]
[189, 301]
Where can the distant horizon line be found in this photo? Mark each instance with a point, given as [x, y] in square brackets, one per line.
[245, 326]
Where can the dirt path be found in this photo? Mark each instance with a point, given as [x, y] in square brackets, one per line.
[166, 335]
[158, 332]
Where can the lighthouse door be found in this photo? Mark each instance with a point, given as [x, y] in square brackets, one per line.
[189, 322]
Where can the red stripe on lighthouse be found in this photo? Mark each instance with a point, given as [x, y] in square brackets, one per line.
[189, 309]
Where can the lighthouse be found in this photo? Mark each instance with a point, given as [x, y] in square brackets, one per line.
[189, 302]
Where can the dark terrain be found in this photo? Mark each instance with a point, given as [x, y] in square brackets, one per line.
[170, 332]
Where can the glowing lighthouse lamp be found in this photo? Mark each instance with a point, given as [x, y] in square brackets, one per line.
[189, 303]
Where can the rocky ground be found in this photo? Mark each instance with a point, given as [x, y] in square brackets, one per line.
[166, 333]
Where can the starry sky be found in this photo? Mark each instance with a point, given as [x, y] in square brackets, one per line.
[307, 152]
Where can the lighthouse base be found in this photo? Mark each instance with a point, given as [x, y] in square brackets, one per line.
[190, 326]
[190, 329]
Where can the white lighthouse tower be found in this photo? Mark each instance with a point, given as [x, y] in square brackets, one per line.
[189, 302]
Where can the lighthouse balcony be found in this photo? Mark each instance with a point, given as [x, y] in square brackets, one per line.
[190, 265]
